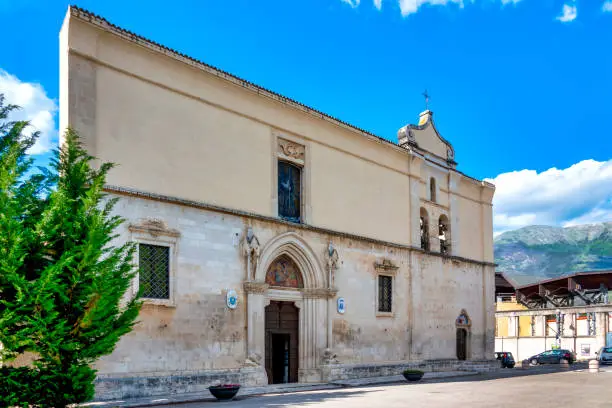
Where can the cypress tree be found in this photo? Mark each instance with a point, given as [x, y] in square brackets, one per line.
[66, 285]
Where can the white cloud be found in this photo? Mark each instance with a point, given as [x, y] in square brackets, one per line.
[408, 7]
[412, 6]
[352, 3]
[36, 107]
[607, 6]
[579, 194]
[570, 12]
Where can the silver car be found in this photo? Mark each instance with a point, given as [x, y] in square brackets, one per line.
[604, 355]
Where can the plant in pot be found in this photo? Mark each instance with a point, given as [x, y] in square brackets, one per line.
[413, 375]
[224, 392]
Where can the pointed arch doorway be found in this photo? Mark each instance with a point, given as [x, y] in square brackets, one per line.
[463, 325]
[282, 323]
[287, 310]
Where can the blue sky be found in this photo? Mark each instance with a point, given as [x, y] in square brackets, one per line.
[523, 89]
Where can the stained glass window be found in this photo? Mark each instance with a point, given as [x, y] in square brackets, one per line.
[289, 191]
[385, 293]
[154, 273]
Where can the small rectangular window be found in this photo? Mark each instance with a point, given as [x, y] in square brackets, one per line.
[385, 293]
[154, 271]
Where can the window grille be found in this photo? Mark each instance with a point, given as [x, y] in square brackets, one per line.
[154, 273]
[385, 293]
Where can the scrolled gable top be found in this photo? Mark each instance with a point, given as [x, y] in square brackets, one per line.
[425, 137]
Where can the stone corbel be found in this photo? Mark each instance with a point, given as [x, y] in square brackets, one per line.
[329, 357]
[253, 360]
[385, 266]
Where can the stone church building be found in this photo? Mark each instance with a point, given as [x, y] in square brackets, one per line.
[275, 243]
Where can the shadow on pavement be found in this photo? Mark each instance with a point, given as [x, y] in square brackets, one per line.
[307, 398]
[501, 374]
[288, 399]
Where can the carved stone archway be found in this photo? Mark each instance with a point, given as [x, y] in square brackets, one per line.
[310, 299]
[295, 247]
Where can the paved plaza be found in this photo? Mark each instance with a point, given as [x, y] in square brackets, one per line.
[509, 388]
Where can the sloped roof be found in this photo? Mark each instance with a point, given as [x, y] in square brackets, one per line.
[104, 24]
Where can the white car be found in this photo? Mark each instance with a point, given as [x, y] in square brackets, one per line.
[604, 355]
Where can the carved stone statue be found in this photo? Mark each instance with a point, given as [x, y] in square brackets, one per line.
[250, 249]
[332, 263]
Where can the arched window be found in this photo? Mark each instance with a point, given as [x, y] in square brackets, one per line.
[432, 189]
[424, 225]
[444, 234]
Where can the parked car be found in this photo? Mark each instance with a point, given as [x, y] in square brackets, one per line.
[553, 357]
[604, 355]
[505, 358]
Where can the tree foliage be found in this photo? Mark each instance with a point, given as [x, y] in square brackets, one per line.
[63, 284]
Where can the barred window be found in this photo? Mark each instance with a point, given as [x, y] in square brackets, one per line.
[385, 293]
[154, 276]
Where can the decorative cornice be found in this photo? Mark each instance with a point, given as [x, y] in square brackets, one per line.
[291, 150]
[240, 213]
[385, 266]
[319, 293]
[154, 227]
[256, 287]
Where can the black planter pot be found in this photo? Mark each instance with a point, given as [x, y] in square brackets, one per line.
[413, 376]
[224, 393]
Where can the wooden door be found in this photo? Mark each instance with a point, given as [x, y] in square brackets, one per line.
[461, 344]
[282, 342]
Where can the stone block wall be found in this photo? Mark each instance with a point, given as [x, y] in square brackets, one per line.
[334, 372]
[110, 388]
[197, 340]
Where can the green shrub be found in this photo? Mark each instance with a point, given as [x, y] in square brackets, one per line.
[418, 372]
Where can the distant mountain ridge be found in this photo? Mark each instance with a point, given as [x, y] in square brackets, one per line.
[538, 252]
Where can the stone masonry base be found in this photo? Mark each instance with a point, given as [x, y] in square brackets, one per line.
[119, 388]
[334, 372]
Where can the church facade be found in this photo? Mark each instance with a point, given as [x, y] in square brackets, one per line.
[275, 243]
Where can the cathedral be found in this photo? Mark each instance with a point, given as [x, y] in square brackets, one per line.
[276, 244]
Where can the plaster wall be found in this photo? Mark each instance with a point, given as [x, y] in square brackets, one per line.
[178, 129]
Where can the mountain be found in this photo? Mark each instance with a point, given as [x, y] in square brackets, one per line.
[537, 252]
